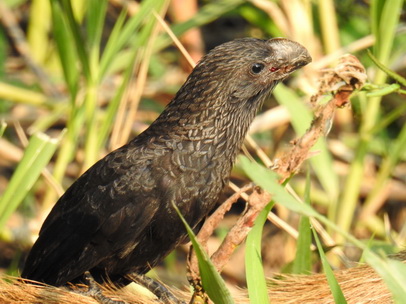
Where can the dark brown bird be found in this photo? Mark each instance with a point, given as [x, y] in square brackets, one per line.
[117, 218]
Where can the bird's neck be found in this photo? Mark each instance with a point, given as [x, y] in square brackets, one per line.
[215, 128]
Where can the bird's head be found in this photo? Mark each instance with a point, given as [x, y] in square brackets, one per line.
[230, 83]
[248, 67]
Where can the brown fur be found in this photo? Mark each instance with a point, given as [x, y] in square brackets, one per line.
[359, 284]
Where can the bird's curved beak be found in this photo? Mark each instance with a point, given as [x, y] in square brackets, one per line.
[291, 55]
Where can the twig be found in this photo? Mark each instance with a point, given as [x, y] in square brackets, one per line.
[257, 201]
[175, 40]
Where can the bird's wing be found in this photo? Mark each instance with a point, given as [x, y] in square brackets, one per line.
[98, 216]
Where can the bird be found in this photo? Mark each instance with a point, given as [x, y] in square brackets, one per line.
[118, 217]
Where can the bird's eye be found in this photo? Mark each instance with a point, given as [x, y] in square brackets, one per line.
[257, 68]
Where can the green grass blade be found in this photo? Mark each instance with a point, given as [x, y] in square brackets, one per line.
[78, 40]
[112, 47]
[388, 71]
[37, 30]
[66, 48]
[256, 282]
[329, 25]
[36, 156]
[303, 258]
[212, 282]
[96, 13]
[22, 95]
[389, 19]
[125, 34]
[301, 115]
[385, 90]
[332, 281]
[114, 104]
[376, 9]
[268, 180]
[3, 126]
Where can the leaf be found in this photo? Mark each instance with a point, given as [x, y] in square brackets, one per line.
[36, 156]
[332, 281]
[125, 34]
[388, 71]
[66, 48]
[78, 41]
[303, 262]
[96, 13]
[3, 126]
[212, 282]
[385, 90]
[256, 282]
[268, 180]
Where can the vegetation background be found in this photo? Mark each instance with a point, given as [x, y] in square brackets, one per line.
[79, 78]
